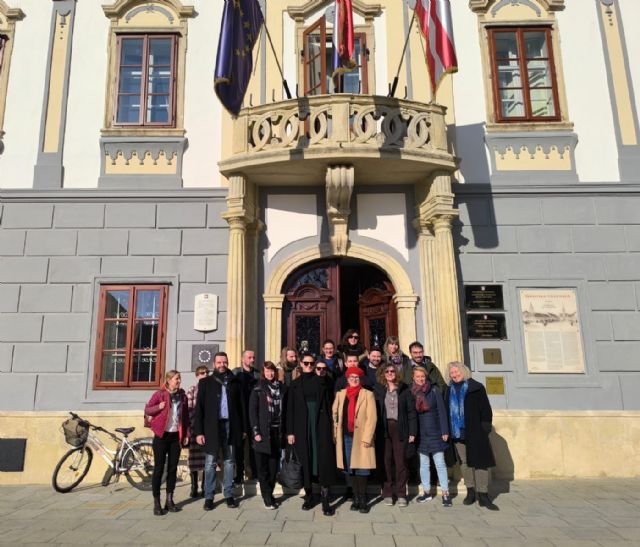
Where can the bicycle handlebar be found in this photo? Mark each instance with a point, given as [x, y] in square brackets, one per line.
[94, 427]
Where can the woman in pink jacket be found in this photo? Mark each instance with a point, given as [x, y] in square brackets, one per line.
[170, 424]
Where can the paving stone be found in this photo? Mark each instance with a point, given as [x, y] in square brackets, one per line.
[252, 526]
[542, 532]
[395, 529]
[488, 531]
[253, 538]
[292, 526]
[329, 540]
[168, 536]
[375, 541]
[279, 538]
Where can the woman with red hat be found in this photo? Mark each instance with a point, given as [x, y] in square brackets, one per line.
[354, 425]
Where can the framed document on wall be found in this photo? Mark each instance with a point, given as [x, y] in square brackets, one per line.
[552, 338]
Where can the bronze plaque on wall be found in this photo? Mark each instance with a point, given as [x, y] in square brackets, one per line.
[483, 297]
[494, 385]
[486, 325]
[492, 356]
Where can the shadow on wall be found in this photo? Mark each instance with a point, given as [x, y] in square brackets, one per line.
[473, 153]
[503, 473]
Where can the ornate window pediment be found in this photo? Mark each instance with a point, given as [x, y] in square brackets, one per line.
[300, 13]
[485, 6]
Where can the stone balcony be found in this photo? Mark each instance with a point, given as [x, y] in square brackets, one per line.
[386, 140]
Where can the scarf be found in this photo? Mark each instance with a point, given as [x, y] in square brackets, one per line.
[274, 401]
[420, 394]
[457, 393]
[352, 396]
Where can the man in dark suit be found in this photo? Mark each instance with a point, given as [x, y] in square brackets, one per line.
[219, 425]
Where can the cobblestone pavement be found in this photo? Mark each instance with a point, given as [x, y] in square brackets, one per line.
[562, 513]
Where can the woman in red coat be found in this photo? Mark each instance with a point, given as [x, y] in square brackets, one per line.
[169, 413]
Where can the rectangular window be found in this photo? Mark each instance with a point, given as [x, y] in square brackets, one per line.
[131, 336]
[318, 63]
[146, 80]
[524, 80]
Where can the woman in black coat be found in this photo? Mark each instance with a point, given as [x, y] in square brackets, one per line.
[395, 435]
[310, 431]
[267, 404]
[470, 418]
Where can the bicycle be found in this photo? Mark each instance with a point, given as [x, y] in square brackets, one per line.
[133, 458]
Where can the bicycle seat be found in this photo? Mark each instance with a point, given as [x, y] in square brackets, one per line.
[125, 430]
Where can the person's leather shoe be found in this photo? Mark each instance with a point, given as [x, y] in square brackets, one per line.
[158, 511]
[208, 505]
[169, 506]
[308, 503]
[231, 502]
[471, 497]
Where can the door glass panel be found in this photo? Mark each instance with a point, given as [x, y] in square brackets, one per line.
[318, 278]
[146, 335]
[377, 332]
[143, 368]
[307, 328]
[113, 367]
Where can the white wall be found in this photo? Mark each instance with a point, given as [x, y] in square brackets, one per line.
[630, 13]
[24, 94]
[87, 86]
[202, 109]
[585, 79]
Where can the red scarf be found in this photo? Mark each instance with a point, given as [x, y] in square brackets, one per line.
[420, 394]
[352, 396]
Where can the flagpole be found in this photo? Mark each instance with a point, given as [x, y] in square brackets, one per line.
[284, 82]
[394, 85]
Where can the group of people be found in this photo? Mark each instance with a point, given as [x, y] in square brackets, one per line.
[377, 412]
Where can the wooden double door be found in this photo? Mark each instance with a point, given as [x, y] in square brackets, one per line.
[324, 299]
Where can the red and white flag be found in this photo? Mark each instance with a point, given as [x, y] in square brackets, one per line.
[434, 17]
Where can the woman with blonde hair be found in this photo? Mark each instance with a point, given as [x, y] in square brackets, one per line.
[471, 417]
[354, 426]
[168, 408]
[394, 356]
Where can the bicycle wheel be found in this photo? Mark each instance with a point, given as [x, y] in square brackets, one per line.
[138, 464]
[71, 469]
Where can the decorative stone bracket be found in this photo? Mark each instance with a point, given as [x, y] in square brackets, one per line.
[339, 188]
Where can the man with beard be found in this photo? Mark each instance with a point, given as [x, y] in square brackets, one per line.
[219, 426]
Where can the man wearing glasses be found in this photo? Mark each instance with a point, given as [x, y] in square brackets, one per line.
[310, 431]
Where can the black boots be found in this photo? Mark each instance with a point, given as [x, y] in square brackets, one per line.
[327, 510]
[194, 484]
[169, 506]
[471, 496]
[157, 507]
[307, 505]
[484, 501]
[359, 494]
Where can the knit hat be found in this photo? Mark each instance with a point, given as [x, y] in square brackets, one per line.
[354, 371]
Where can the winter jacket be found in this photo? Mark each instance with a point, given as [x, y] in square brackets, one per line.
[160, 416]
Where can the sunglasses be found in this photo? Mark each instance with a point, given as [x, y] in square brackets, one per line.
[354, 336]
[307, 363]
[321, 369]
[389, 371]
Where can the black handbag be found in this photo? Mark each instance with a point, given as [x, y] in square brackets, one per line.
[291, 473]
[451, 456]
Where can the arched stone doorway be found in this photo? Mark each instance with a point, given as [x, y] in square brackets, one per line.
[324, 298]
[405, 300]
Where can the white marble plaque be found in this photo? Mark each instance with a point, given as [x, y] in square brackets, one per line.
[205, 312]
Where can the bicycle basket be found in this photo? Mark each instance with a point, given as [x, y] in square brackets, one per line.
[75, 431]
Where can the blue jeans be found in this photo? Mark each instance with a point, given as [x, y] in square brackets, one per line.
[441, 468]
[210, 461]
[347, 445]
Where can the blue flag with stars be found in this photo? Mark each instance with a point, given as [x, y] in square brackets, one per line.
[241, 24]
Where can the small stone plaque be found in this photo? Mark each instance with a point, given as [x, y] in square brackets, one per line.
[202, 354]
[483, 297]
[494, 385]
[205, 312]
[492, 356]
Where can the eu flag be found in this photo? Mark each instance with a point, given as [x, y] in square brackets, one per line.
[241, 24]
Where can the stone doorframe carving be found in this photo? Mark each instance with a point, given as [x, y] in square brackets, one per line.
[339, 188]
[405, 298]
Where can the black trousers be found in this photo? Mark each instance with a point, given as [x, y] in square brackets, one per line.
[167, 448]
[244, 451]
[268, 466]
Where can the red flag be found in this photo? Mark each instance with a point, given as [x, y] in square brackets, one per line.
[434, 17]
[343, 38]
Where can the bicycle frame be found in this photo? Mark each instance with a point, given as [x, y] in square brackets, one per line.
[113, 458]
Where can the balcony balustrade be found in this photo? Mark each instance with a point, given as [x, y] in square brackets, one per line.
[292, 142]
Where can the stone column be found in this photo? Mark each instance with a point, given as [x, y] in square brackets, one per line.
[252, 235]
[447, 302]
[238, 215]
[426, 246]
[406, 307]
[273, 324]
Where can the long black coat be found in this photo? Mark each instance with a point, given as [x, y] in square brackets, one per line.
[207, 412]
[478, 418]
[297, 424]
[259, 418]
